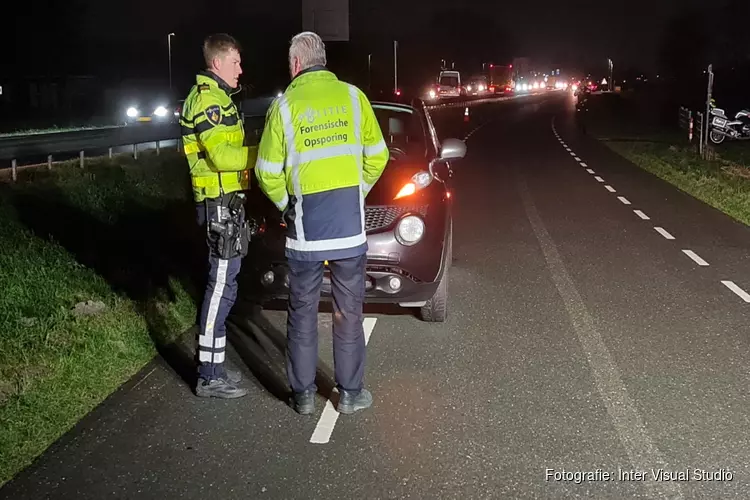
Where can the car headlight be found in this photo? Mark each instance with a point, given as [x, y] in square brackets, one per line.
[432, 94]
[132, 112]
[418, 181]
[468, 87]
[481, 88]
[160, 111]
[410, 230]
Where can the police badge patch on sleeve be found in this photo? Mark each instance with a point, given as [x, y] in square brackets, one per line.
[213, 114]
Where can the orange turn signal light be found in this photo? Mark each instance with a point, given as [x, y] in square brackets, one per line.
[409, 189]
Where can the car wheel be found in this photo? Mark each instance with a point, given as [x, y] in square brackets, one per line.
[436, 308]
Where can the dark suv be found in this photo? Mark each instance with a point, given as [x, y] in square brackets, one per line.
[407, 218]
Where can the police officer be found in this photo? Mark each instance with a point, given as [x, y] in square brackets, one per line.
[320, 154]
[213, 139]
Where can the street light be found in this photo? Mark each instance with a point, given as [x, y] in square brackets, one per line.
[169, 45]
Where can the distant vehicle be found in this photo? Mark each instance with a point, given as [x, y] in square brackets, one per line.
[500, 79]
[477, 85]
[449, 84]
[153, 110]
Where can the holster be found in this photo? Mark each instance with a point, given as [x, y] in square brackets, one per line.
[228, 232]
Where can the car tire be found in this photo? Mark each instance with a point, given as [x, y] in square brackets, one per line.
[436, 308]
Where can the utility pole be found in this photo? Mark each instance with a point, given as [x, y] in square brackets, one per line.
[169, 45]
[395, 66]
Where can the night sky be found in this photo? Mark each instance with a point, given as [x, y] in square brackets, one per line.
[128, 39]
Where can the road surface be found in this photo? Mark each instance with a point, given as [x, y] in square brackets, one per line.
[586, 335]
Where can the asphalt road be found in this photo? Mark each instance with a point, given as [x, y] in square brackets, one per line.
[580, 339]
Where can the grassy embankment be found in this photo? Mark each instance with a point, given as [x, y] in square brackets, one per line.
[114, 240]
[630, 125]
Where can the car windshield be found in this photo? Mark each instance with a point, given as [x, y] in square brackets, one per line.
[449, 81]
[401, 129]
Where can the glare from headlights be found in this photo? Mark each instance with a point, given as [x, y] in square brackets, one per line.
[132, 112]
[160, 111]
[410, 230]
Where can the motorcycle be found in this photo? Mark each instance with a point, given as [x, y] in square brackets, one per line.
[721, 127]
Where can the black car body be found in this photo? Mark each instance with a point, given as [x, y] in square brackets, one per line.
[399, 272]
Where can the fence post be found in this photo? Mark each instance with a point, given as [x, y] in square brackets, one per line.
[110, 153]
[14, 169]
[700, 149]
[135, 151]
[81, 159]
[690, 117]
[157, 147]
[49, 162]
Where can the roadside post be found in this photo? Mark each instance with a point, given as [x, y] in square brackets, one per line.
[707, 116]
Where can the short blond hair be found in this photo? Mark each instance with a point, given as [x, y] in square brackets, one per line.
[309, 48]
[218, 45]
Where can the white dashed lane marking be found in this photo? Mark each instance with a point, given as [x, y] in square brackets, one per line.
[641, 215]
[583, 165]
[623, 200]
[590, 171]
[739, 291]
[599, 179]
[609, 188]
[696, 258]
[664, 233]
[327, 422]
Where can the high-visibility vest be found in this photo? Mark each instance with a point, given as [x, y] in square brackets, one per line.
[321, 152]
[213, 139]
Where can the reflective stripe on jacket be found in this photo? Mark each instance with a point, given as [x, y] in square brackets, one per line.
[321, 152]
[213, 139]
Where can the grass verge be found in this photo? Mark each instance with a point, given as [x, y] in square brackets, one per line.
[110, 233]
[629, 126]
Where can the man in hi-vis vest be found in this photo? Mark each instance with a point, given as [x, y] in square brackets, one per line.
[321, 152]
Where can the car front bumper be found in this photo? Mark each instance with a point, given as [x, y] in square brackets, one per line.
[383, 285]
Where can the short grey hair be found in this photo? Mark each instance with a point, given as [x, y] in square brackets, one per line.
[309, 48]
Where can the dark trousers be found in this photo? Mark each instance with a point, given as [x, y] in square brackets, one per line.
[220, 295]
[348, 289]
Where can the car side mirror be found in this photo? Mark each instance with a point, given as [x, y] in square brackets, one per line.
[452, 149]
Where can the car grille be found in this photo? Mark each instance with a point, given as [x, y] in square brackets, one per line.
[383, 216]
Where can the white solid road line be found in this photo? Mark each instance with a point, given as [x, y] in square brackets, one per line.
[664, 233]
[609, 188]
[590, 171]
[599, 179]
[324, 429]
[696, 258]
[623, 200]
[641, 215]
[739, 291]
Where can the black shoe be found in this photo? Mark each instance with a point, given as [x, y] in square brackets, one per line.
[304, 402]
[349, 402]
[218, 388]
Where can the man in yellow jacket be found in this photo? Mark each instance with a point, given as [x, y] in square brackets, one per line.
[321, 152]
[214, 142]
